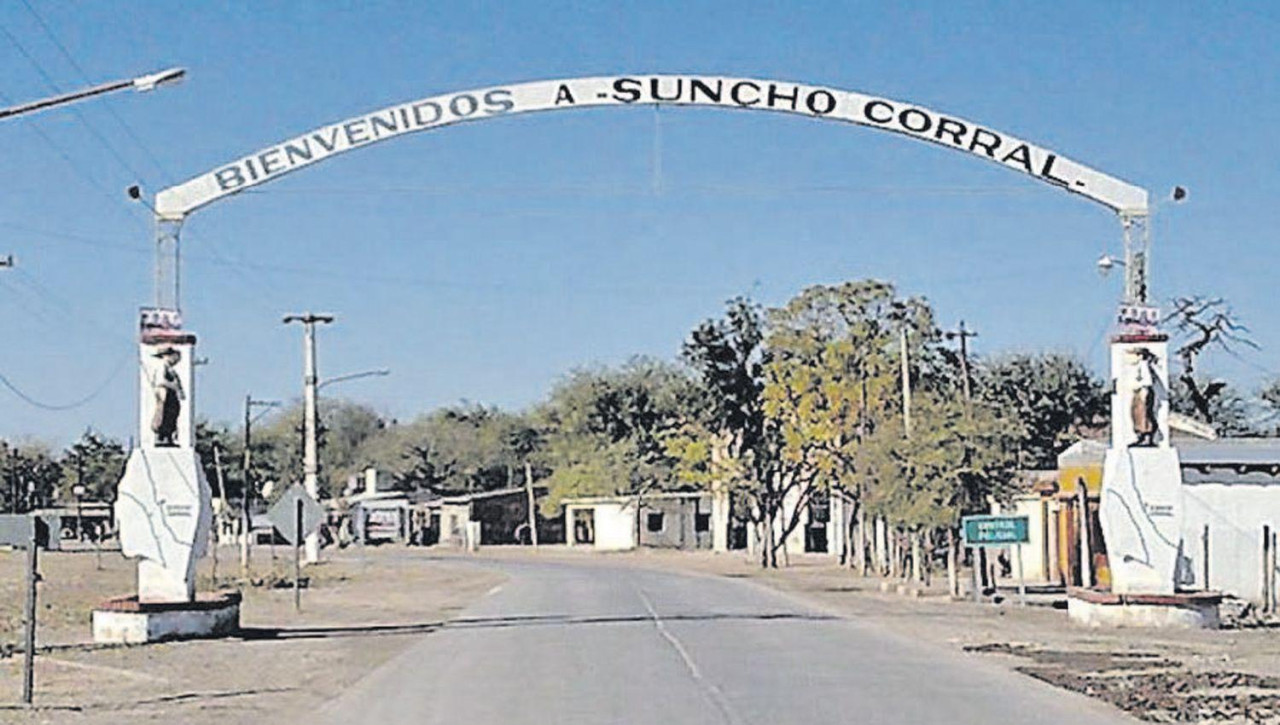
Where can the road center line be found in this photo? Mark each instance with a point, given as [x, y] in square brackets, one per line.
[714, 693]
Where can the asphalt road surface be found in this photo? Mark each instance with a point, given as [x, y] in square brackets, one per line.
[564, 643]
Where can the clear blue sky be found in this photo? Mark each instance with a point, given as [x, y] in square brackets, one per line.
[483, 261]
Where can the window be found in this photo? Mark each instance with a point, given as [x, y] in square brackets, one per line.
[702, 523]
[655, 521]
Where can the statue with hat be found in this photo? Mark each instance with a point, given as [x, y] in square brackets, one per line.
[166, 385]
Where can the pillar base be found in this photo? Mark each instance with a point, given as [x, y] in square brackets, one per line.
[1092, 608]
[125, 620]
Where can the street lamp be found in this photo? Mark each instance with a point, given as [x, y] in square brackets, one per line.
[141, 84]
[1106, 263]
[381, 372]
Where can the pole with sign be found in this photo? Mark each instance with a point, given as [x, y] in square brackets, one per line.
[998, 532]
[296, 516]
[297, 558]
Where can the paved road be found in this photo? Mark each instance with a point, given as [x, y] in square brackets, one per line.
[561, 644]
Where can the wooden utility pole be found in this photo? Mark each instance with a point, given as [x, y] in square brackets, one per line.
[979, 554]
[963, 334]
[247, 464]
[906, 381]
[217, 520]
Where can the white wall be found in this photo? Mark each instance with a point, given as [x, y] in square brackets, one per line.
[1235, 514]
[615, 524]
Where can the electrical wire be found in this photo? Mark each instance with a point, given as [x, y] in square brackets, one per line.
[133, 136]
[60, 407]
[75, 168]
[102, 139]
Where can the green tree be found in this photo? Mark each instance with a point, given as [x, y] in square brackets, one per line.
[606, 429]
[31, 476]
[1053, 397]
[460, 449]
[94, 461]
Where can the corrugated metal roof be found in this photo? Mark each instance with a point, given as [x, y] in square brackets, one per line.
[1230, 451]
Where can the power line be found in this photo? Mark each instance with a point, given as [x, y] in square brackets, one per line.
[66, 158]
[76, 111]
[58, 407]
[85, 77]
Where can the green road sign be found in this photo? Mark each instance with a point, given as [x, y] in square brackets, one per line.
[995, 530]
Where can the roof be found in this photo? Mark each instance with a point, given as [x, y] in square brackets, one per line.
[466, 498]
[1230, 452]
[628, 498]
[1083, 453]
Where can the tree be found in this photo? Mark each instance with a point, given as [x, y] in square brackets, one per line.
[1053, 397]
[460, 449]
[1204, 323]
[94, 461]
[1228, 411]
[216, 443]
[606, 430]
[833, 382]
[343, 427]
[31, 476]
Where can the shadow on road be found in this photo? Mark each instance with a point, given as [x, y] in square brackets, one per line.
[545, 620]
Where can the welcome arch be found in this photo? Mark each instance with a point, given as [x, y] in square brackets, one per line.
[175, 203]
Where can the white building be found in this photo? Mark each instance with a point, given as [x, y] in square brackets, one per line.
[679, 520]
[1231, 494]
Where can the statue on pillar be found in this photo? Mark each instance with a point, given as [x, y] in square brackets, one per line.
[166, 384]
[163, 504]
[1142, 405]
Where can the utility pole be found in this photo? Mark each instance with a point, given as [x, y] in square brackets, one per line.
[963, 334]
[247, 494]
[980, 554]
[906, 381]
[310, 456]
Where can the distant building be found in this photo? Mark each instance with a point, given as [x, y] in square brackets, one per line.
[663, 520]
[503, 516]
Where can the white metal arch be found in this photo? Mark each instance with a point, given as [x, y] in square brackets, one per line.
[175, 203]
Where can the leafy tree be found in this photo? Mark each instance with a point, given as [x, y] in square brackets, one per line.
[31, 476]
[94, 461]
[833, 381]
[1054, 397]
[728, 443]
[216, 443]
[278, 445]
[606, 429]
[459, 449]
[1227, 411]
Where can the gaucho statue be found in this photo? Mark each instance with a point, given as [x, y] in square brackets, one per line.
[1142, 407]
[167, 386]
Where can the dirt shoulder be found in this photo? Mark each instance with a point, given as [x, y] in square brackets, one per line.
[361, 609]
[1155, 675]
